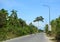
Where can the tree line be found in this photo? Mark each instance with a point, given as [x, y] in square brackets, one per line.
[55, 28]
[11, 26]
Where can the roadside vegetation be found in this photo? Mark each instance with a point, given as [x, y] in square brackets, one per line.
[11, 26]
[55, 29]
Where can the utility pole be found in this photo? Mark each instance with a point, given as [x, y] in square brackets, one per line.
[49, 17]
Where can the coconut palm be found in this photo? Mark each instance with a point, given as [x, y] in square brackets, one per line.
[40, 18]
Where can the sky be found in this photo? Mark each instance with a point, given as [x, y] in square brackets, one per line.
[28, 10]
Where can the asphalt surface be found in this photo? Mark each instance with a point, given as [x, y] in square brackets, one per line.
[40, 37]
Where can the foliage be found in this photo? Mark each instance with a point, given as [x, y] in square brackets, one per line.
[40, 30]
[12, 26]
[40, 18]
[55, 28]
[46, 28]
[3, 16]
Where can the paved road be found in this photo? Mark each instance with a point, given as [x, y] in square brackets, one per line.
[41, 37]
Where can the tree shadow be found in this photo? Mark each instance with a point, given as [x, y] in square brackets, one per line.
[55, 40]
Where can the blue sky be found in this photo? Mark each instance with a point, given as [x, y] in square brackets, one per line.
[28, 10]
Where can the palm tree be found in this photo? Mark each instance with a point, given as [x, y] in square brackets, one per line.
[40, 18]
[3, 17]
[14, 14]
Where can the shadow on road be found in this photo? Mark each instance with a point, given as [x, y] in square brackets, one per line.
[55, 40]
[58, 41]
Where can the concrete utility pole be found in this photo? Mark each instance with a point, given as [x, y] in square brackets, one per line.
[49, 17]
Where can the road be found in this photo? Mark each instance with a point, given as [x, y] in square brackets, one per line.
[40, 37]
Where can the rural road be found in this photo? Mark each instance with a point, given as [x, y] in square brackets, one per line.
[40, 37]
